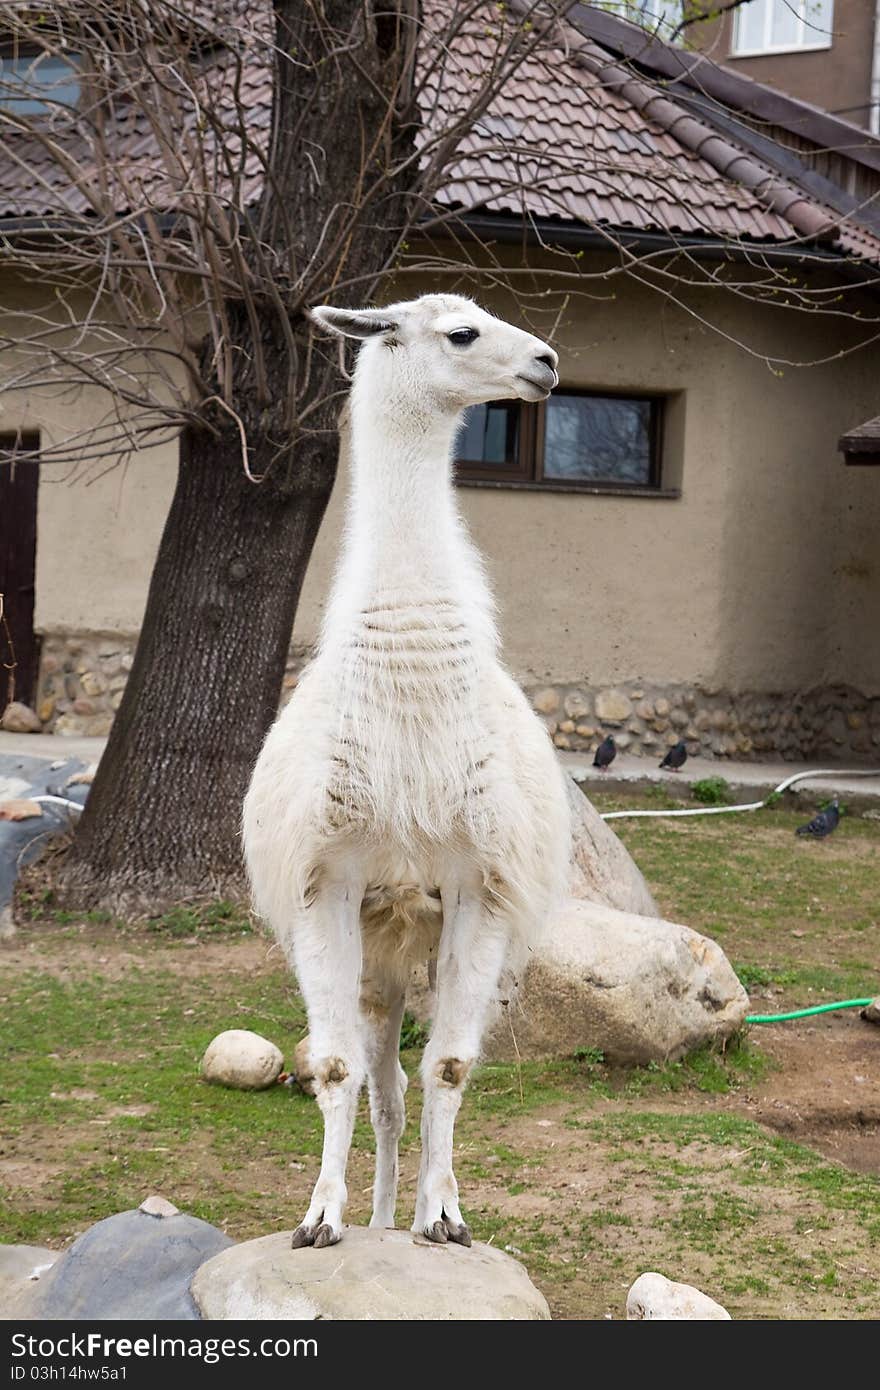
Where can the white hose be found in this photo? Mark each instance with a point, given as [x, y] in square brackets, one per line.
[59, 801]
[749, 805]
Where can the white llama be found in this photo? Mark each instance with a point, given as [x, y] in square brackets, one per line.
[407, 804]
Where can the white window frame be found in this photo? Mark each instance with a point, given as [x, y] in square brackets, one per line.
[810, 39]
[660, 17]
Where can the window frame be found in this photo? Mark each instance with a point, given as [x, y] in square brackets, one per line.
[528, 471]
[16, 49]
[769, 49]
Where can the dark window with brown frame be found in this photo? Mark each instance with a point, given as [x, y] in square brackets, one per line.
[574, 441]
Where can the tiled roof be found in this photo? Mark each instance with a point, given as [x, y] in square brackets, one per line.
[576, 135]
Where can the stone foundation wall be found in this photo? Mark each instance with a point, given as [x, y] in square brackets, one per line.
[82, 679]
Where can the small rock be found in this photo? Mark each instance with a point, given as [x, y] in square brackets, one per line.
[654, 1296]
[158, 1206]
[871, 1012]
[612, 707]
[374, 1275]
[242, 1059]
[576, 704]
[661, 707]
[93, 684]
[19, 719]
[47, 709]
[546, 701]
[567, 726]
[19, 809]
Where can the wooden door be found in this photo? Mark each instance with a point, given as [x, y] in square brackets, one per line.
[18, 557]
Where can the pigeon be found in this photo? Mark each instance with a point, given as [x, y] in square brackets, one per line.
[605, 754]
[823, 823]
[676, 757]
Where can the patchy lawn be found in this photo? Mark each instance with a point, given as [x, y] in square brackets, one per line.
[755, 1175]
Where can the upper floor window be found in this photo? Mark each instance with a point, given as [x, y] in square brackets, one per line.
[36, 83]
[781, 26]
[660, 16]
[576, 440]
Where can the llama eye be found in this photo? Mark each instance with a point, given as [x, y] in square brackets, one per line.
[462, 336]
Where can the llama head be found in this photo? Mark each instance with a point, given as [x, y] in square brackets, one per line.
[446, 348]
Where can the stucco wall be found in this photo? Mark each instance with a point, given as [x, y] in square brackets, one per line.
[762, 576]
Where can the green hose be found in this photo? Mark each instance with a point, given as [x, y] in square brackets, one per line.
[803, 1013]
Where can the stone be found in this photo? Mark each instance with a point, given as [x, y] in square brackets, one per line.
[21, 1265]
[562, 740]
[302, 1067]
[636, 694]
[680, 718]
[373, 1275]
[546, 701]
[158, 1206]
[660, 726]
[702, 720]
[588, 731]
[243, 1060]
[871, 1012]
[116, 698]
[661, 707]
[655, 1296]
[567, 726]
[576, 704]
[720, 720]
[20, 808]
[126, 661]
[645, 710]
[612, 707]
[93, 684]
[19, 719]
[638, 988]
[855, 721]
[83, 706]
[602, 868]
[130, 1265]
[46, 709]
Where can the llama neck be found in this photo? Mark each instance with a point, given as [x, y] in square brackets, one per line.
[404, 530]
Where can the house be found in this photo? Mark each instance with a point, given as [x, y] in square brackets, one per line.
[675, 546]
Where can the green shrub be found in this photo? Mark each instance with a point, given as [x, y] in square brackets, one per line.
[713, 791]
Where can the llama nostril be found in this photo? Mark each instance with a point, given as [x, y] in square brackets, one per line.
[547, 360]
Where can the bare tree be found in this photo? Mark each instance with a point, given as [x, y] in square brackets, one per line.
[193, 176]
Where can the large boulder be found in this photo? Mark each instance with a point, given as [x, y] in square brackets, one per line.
[373, 1275]
[602, 868]
[654, 1297]
[137, 1264]
[638, 988]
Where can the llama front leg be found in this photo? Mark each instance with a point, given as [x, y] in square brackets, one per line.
[471, 957]
[327, 959]
[382, 1011]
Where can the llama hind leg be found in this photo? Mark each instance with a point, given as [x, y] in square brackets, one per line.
[471, 957]
[327, 958]
[382, 1011]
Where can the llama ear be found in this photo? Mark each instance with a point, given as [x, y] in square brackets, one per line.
[353, 323]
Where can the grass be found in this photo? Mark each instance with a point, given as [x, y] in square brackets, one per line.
[593, 1173]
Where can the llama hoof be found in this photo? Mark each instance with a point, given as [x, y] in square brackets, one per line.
[318, 1236]
[447, 1230]
[460, 1234]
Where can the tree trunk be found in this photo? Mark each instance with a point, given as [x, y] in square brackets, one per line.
[162, 819]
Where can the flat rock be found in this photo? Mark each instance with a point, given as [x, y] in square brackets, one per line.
[638, 988]
[243, 1060]
[370, 1275]
[655, 1296]
[21, 1265]
[131, 1265]
[871, 1012]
